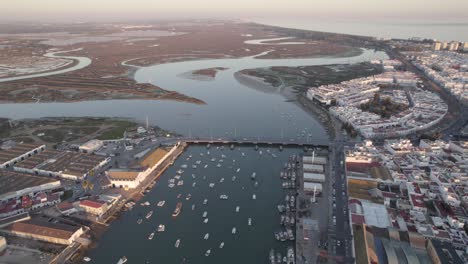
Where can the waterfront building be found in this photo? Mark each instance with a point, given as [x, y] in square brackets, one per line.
[310, 187]
[40, 229]
[91, 146]
[94, 207]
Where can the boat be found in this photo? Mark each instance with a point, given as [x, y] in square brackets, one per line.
[234, 230]
[177, 243]
[171, 185]
[149, 214]
[193, 184]
[139, 221]
[161, 203]
[179, 195]
[205, 214]
[194, 166]
[232, 146]
[233, 178]
[221, 180]
[278, 258]
[87, 259]
[223, 197]
[206, 166]
[221, 245]
[211, 185]
[208, 145]
[207, 253]
[254, 196]
[261, 152]
[151, 236]
[253, 176]
[177, 209]
[238, 169]
[184, 166]
[205, 201]
[193, 207]
[272, 256]
[207, 235]
[180, 171]
[188, 197]
[161, 228]
[256, 184]
[290, 256]
[218, 165]
[177, 177]
[237, 209]
[213, 159]
[145, 203]
[250, 221]
[122, 260]
[205, 221]
[243, 154]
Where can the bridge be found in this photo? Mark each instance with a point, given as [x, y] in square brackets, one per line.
[309, 143]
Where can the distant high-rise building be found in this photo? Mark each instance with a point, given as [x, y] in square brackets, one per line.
[465, 46]
[453, 46]
[444, 45]
[436, 46]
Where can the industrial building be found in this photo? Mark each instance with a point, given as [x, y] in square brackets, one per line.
[310, 187]
[12, 153]
[43, 230]
[91, 146]
[313, 168]
[20, 193]
[63, 164]
[313, 177]
[314, 160]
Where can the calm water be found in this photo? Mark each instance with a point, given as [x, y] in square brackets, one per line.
[231, 109]
[251, 244]
[387, 29]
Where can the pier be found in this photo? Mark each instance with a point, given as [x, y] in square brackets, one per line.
[311, 143]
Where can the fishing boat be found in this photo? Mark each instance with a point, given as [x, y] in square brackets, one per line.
[177, 243]
[205, 221]
[122, 260]
[237, 209]
[205, 214]
[207, 235]
[177, 210]
[250, 221]
[139, 221]
[208, 252]
[149, 214]
[234, 230]
[161, 228]
[221, 245]
[150, 237]
[161, 203]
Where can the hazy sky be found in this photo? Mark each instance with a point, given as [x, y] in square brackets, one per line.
[144, 9]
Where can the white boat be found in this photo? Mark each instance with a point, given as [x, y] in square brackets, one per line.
[193, 207]
[233, 178]
[207, 253]
[180, 183]
[177, 243]
[171, 185]
[238, 169]
[211, 185]
[243, 154]
[254, 174]
[205, 201]
[218, 165]
[188, 197]
[250, 221]
[149, 214]
[207, 235]
[254, 196]
[221, 245]
[177, 177]
[205, 214]
[122, 260]
[161, 228]
[213, 159]
[139, 221]
[205, 221]
[261, 152]
[161, 203]
[234, 230]
[221, 180]
[194, 166]
[193, 184]
[180, 171]
[184, 166]
[87, 259]
[150, 237]
[237, 209]
[206, 166]
[223, 197]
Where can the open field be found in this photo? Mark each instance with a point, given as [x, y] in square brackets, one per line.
[70, 130]
[116, 50]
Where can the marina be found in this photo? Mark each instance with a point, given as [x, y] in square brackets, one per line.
[203, 239]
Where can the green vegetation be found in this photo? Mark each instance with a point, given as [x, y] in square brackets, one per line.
[117, 131]
[383, 107]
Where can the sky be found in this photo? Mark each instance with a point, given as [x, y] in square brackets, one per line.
[30, 10]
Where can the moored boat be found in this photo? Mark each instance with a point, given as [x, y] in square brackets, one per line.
[177, 209]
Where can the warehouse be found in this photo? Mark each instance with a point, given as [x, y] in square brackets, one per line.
[312, 186]
[63, 164]
[314, 177]
[40, 229]
[314, 160]
[313, 168]
[13, 153]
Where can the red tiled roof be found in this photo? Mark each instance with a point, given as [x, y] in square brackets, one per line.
[94, 204]
[358, 219]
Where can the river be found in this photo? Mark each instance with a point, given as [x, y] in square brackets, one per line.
[232, 109]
